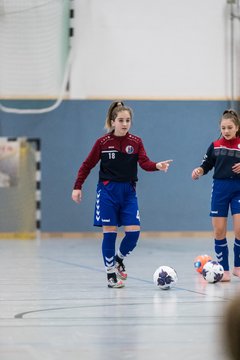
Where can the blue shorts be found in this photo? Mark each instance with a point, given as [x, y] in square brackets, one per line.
[225, 194]
[116, 205]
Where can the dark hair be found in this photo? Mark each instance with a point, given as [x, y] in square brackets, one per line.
[113, 111]
[233, 116]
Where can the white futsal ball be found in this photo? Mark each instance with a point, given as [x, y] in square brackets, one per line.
[165, 277]
[212, 271]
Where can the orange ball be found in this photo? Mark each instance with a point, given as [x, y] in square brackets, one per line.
[200, 261]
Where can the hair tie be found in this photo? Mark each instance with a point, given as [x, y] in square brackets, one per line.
[230, 111]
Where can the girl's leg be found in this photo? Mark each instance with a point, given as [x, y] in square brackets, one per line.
[221, 246]
[127, 245]
[108, 252]
[236, 227]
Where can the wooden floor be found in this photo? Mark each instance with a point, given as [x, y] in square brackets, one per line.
[55, 304]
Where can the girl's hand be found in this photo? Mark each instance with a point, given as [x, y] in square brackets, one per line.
[77, 196]
[197, 173]
[236, 168]
[163, 165]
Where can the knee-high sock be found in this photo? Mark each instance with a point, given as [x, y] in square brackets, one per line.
[108, 250]
[221, 250]
[128, 243]
[236, 250]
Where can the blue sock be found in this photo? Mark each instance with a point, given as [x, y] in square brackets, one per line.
[221, 250]
[236, 250]
[108, 250]
[128, 243]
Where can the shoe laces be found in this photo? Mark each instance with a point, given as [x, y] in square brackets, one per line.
[112, 277]
[121, 266]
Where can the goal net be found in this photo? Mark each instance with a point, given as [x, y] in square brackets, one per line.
[18, 188]
[35, 48]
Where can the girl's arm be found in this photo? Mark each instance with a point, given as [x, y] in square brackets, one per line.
[163, 165]
[197, 173]
[148, 165]
[77, 196]
[207, 164]
[87, 165]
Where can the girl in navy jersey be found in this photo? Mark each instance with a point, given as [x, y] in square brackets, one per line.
[116, 205]
[224, 156]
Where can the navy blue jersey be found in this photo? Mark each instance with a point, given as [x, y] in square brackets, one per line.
[221, 155]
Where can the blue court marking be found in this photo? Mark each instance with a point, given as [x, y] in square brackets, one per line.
[131, 277]
[23, 314]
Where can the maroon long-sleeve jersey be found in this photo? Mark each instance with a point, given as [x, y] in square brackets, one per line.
[119, 156]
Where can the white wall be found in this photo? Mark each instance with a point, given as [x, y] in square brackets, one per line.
[33, 44]
[163, 49]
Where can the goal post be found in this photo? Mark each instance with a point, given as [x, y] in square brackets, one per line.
[20, 188]
[36, 41]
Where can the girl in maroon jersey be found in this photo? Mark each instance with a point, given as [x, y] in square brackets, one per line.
[224, 156]
[116, 205]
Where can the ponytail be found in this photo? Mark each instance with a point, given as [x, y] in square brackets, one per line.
[112, 113]
[233, 116]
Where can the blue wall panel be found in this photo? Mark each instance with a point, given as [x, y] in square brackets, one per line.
[178, 130]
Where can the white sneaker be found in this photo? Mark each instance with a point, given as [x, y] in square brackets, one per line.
[113, 282]
[120, 268]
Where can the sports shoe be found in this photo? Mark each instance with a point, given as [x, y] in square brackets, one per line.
[120, 268]
[113, 282]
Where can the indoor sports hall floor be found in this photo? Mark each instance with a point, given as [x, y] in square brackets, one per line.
[55, 304]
